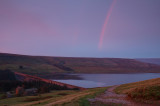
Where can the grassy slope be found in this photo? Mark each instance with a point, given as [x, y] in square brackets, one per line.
[22, 100]
[42, 65]
[125, 88]
[60, 97]
[147, 91]
[31, 65]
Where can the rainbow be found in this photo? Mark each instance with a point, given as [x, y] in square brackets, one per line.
[105, 24]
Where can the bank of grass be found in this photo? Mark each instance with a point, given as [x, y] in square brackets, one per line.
[30, 99]
[83, 101]
[54, 96]
[143, 91]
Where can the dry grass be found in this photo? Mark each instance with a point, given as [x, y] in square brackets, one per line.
[60, 98]
[147, 91]
[125, 88]
[36, 98]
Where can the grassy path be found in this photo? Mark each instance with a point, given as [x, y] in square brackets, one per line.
[68, 99]
[110, 98]
[60, 98]
[54, 101]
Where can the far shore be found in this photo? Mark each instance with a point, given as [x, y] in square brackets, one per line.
[76, 76]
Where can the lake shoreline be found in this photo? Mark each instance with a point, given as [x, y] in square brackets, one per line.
[101, 80]
[77, 76]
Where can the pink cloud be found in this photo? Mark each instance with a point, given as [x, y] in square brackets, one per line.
[16, 21]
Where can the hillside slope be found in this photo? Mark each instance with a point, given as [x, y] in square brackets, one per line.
[25, 77]
[150, 60]
[125, 88]
[147, 91]
[43, 65]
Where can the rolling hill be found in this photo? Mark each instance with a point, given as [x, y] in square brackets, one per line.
[147, 91]
[150, 60]
[46, 65]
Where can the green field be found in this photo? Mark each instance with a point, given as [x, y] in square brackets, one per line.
[65, 98]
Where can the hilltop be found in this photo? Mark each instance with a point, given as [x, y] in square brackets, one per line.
[47, 65]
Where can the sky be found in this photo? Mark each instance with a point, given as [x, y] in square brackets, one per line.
[81, 28]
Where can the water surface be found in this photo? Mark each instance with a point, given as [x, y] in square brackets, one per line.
[101, 80]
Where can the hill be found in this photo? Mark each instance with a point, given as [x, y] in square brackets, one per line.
[10, 80]
[46, 65]
[126, 88]
[28, 78]
[150, 60]
[147, 91]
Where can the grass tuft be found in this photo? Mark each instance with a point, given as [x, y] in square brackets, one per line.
[146, 93]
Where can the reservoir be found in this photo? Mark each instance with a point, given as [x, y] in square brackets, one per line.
[102, 80]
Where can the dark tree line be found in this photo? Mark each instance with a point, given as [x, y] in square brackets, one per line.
[7, 75]
[8, 82]
[40, 85]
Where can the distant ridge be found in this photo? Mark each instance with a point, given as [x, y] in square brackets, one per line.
[150, 60]
[47, 65]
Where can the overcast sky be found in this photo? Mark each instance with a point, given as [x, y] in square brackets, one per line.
[81, 28]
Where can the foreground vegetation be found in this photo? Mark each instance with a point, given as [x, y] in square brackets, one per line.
[143, 91]
[63, 97]
[83, 101]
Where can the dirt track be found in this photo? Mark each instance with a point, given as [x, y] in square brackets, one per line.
[67, 99]
[62, 100]
[111, 97]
